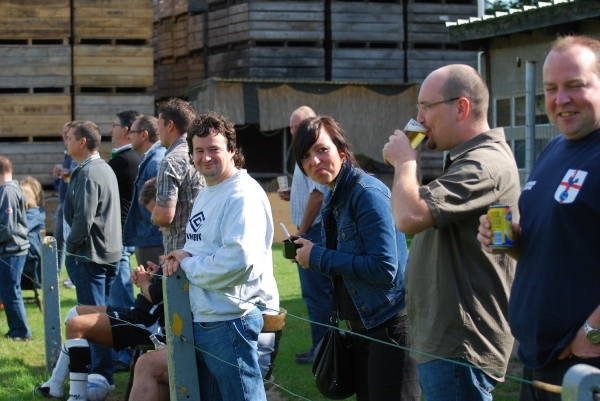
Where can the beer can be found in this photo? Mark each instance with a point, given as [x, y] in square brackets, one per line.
[501, 221]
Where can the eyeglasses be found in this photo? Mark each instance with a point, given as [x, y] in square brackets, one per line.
[113, 125]
[424, 106]
[137, 132]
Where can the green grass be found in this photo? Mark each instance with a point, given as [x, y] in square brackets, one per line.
[22, 365]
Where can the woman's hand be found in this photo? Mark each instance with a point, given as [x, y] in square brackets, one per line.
[303, 254]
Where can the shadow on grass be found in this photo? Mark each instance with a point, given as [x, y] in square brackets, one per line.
[16, 376]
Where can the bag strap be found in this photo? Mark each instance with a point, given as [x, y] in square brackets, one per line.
[334, 313]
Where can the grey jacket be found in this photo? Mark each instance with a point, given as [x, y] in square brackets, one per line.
[13, 220]
[93, 211]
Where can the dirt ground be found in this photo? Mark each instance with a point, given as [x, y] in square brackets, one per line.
[274, 395]
[281, 213]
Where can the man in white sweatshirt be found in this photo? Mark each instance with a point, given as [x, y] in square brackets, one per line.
[227, 258]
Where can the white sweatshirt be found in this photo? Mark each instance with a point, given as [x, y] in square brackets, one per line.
[229, 235]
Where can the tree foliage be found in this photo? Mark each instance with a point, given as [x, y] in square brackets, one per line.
[504, 5]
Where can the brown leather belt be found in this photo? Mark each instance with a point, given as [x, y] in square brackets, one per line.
[356, 324]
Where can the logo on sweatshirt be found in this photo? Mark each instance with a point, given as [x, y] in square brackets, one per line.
[196, 221]
[9, 210]
[569, 186]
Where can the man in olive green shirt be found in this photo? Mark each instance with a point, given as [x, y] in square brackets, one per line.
[456, 294]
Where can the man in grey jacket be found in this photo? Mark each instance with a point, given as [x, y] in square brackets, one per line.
[13, 251]
[93, 211]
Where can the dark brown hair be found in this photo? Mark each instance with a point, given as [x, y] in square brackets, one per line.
[214, 124]
[148, 192]
[308, 133]
[176, 110]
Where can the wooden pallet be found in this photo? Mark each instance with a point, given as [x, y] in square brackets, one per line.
[426, 21]
[196, 68]
[173, 76]
[101, 109]
[164, 46]
[34, 115]
[113, 19]
[196, 32]
[165, 81]
[180, 37]
[35, 66]
[38, 19]
[368, 65]
[366, 22]
[35, 159]
[174, 8]
[268, 62]
[266, 21]
[423, 62]
[112, 66]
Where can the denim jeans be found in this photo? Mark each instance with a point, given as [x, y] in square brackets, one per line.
[317, 293]
[121, 296]
[447, 381]
[11, 268]
[92, 285]
[228, 363]
[121, 292]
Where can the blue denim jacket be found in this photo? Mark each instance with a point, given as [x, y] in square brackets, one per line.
[138, 230]
[371, 253]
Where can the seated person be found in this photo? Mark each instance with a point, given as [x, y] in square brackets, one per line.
[108, 326]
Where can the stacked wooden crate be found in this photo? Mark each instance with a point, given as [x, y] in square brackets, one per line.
[180, 47]
[112, 59]
[35, 77]
[428, 42]
[367, 41]
[266, 39]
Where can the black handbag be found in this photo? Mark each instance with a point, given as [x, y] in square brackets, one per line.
[333, 364]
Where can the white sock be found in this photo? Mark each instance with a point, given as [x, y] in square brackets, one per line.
[59, 374]
[78, 380]
[78, 389]
[71, 314]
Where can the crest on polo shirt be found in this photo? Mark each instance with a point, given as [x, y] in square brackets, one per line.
[570, 186]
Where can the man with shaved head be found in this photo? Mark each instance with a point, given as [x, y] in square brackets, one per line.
[456, 294]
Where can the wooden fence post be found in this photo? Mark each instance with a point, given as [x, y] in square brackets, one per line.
[50, 289]
[183, 372]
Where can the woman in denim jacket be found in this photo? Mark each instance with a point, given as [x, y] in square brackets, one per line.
[365, 256]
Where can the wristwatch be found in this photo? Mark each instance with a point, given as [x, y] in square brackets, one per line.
[591, 333]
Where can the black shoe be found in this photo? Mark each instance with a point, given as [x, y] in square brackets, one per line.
[17, 338]
[121, 367]
[44, 392]
[305, 360]
[303, 354]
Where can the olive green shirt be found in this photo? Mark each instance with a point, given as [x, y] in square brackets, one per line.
[456, 294]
